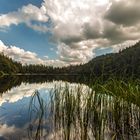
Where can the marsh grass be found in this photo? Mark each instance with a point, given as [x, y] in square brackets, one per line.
[108, 111]
[37, 115]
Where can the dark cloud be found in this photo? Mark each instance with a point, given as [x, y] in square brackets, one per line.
[71, 39]
[116, 33]
[124, 12]
[91, 31]
[113, 33]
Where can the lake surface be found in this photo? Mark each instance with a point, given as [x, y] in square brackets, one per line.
[60, 110]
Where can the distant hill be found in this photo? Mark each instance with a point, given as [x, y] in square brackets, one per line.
[7, 65]
[124, 63]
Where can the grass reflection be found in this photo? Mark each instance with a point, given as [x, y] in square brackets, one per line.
[37, 110]
[104, 112]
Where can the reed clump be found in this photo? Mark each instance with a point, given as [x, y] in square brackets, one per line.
[102, 111]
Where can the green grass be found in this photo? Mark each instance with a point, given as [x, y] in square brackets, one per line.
[108, 110]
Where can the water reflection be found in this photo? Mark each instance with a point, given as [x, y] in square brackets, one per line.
[7, 82]
[65, 111]
[80, 116]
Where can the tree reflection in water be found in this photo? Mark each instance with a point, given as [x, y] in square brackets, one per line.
[79, 113]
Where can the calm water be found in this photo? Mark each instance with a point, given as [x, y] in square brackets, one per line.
[59, 110]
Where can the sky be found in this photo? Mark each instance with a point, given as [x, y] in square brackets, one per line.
[66, 32]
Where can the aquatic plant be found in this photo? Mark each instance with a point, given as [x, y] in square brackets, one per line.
[104, 111]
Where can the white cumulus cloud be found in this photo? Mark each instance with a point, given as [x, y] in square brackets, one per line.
[28, 57]
[26, 15]
[80, 26]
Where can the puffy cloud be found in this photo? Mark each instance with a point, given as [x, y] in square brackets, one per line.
[76, 54]
[25, 15]
[126, 44]
[121, 22]
[75, 25]
[38, 27]
[18, 54]
[80, 26]
[27, 57]
[124, 12]
[117, 34]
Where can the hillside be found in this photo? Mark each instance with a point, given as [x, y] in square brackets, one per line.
[124, 63]
[7, 65]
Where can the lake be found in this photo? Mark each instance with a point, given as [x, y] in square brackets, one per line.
[54, 108]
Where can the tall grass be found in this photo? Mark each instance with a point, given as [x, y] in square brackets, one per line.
[103, 111]
[37, 114]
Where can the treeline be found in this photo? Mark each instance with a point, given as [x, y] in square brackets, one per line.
[7, 65]
[125, 63]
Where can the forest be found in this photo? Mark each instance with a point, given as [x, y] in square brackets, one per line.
[125, 63]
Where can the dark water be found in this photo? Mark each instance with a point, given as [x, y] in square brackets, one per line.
[47, 108]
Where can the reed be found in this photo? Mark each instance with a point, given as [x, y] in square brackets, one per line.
[104, 111]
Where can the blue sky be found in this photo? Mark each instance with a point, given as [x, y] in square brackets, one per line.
[28, 39]
[8, 5]
[66, 32]
[23, 36]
